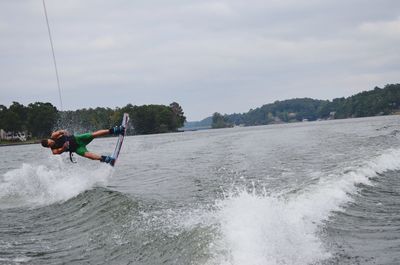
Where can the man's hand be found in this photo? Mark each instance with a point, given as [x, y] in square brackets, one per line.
[66, 146]
[58, 151]
[57, 134]
[61, 150]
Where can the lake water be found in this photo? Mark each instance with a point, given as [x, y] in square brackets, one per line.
[306, 193]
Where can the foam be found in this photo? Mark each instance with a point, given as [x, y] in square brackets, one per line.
[256, 228]
[17, 260]
[33, 185]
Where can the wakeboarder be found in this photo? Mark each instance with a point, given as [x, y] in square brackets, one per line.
[62, 141]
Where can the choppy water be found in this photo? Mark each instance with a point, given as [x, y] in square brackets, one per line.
[307, 193]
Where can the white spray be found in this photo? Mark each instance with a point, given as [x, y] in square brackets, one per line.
[262, 229]
[35, 185]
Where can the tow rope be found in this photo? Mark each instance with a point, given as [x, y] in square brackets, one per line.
[54, 55]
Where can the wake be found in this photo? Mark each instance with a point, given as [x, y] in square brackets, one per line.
[261, 229]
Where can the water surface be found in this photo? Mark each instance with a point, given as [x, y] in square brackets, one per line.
[305, 193]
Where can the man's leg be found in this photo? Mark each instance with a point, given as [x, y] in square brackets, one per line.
[82, 151]
[100, 133]
[104, 159]
[115, 130]
[92, 156]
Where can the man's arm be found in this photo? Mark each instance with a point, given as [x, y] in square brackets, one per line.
[60, 150]
[55, 135]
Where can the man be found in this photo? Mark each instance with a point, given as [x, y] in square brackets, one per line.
[61, 141]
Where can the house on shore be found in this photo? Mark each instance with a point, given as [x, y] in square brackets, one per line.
[14, 136]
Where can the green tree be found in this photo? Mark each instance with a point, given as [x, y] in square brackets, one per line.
[14, 118]
[178, 118]
[11, 122]
[379, 101]
[41, 118]
[3, 110]
[220, 121]
[20, 114]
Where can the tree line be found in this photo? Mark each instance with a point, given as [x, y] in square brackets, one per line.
[37, 118]
[40, 119]
[379, 101]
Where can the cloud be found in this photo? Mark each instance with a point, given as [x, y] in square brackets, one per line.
[384, 29]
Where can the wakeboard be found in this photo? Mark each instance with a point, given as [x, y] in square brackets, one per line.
[125, 120]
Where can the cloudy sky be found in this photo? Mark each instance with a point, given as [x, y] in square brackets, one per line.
[225, 56]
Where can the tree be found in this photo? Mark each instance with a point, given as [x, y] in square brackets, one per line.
[379, 101]
[3, 110]
[41, 118]
[220, 121]
[21, 114]
[178, 118]
[11, 121]
[14, 118]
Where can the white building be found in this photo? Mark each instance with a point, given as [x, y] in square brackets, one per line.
[14, 136]
[3, 134]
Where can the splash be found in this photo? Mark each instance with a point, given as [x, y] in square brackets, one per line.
[262, 229]
[37, 185]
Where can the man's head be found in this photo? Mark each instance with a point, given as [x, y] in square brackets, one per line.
[47, 143]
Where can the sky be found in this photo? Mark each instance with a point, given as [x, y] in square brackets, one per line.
[209, 56]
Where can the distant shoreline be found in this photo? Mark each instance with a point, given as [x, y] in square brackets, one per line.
[209, 128]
